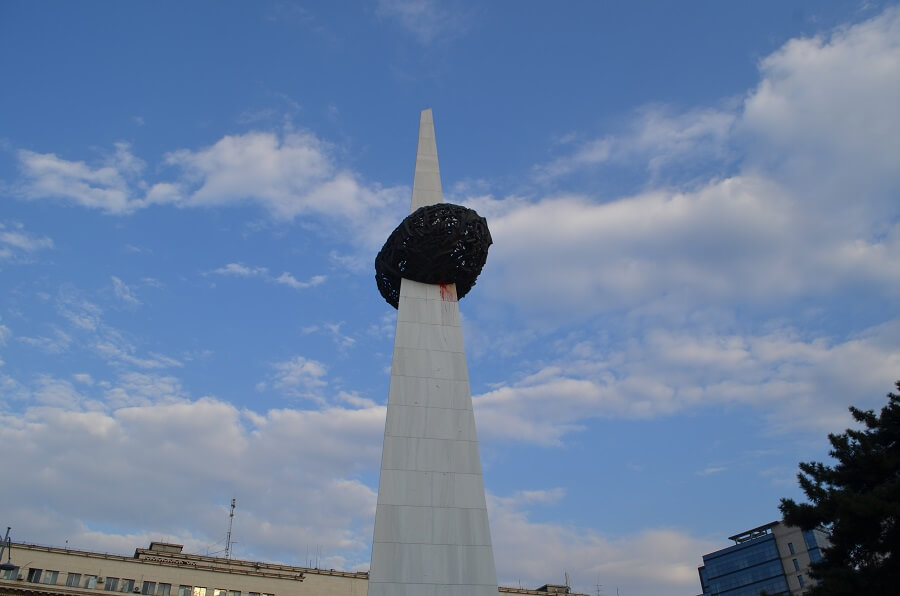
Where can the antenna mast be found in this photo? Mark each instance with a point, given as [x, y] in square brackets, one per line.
[230, 524]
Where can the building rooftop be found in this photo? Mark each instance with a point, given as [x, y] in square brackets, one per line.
[171, 555]
[754, 533]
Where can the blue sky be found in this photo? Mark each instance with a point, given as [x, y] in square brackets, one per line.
[695, 268]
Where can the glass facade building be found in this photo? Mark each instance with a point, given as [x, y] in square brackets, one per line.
[772, 559]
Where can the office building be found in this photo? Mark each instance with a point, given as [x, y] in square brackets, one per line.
[772, 559]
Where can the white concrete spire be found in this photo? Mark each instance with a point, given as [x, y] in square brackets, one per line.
[432, 536]
[427, 180]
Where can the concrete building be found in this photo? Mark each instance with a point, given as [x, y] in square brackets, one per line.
[164, 570]
[773, 559]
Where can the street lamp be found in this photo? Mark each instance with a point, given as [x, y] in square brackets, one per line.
[8, 566]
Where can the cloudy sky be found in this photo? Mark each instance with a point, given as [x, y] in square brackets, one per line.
[695, 269]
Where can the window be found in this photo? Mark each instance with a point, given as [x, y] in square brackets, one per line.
[90, 581]
[127, 585]
[219, 592]
[796, 565]
[254, 593]
[50, 577]
[148, 588]
[185, 590]
[800, 579]
[34, 575]
[163, 589]
[199, 591]
[11, 573]
[111, 584]
[234, 593]
[73, 579]
[791, 548]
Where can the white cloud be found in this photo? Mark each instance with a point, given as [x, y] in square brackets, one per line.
[16, 242]
[56, 393]
[285, 279]
[744, 239]
[124, 293]
[133, 459]
[289, 280]
[299, 376]
[525, 497]
[86, 328]
[824, 117]
[426, 20]
[655, 137]
[289, 175]
[80, 312]
[797, 382]
[812, 207]
[710, 470]
[56, 343]
[22, 240]
[279, 172]
[84, 378]
[355, 400]
[340, 339]
[114, 348]
[240, 270]
[113, 185]
[141, 389]
[50, 176]
[536, 552]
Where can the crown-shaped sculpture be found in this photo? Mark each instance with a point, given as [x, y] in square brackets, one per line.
[435, 244]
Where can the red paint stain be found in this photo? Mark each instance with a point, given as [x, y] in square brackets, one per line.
[447, 293]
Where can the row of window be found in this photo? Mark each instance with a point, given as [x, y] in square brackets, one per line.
[746, 577]
[116, 584]
[807, 536]
[737, 558]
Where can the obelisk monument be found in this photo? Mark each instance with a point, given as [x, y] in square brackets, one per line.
[431, 528]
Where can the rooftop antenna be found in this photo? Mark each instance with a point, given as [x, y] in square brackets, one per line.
[230, 524]
[7, 546]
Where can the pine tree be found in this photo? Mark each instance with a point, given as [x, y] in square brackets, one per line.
[858, 502]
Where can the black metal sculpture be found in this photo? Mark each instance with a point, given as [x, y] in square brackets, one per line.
[437, 244]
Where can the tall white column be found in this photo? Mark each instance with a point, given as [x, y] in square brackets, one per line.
[431, 528]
